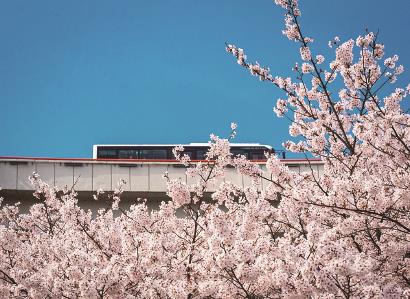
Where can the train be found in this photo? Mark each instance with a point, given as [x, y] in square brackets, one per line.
[196, 151]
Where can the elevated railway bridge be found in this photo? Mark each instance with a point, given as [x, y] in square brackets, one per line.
[143, 178]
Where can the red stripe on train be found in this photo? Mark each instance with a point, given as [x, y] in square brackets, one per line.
[133, 160]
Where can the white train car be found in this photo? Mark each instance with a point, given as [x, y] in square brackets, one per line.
[253, 151]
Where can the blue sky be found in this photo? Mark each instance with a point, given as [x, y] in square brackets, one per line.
[76, 73]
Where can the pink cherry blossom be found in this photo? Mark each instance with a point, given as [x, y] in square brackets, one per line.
[305, 53]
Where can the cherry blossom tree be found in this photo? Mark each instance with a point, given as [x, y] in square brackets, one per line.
[345, 233]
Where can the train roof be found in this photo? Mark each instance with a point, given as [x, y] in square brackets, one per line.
[184, 145]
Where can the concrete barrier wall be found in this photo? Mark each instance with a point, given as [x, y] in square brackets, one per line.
[92, 175]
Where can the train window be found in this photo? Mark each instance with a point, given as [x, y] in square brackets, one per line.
[258, 156]
[107, 153]
[189, 153]
[154, 154]
[236, 152]
[201, 154]
[128, 154]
